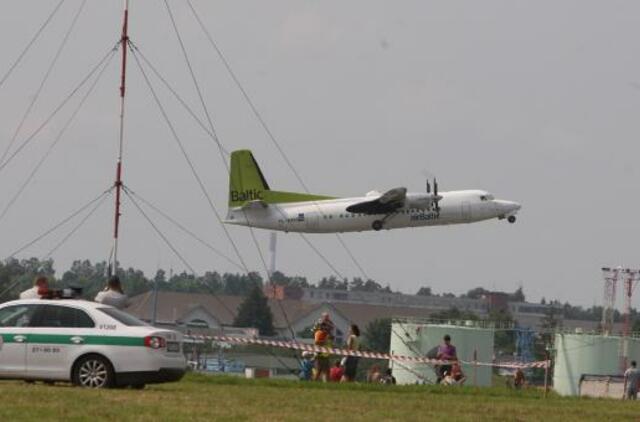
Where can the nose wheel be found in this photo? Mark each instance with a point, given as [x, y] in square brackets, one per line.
[511, 219]
[377, 225]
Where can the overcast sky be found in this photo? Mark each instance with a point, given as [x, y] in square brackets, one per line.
[535, 101]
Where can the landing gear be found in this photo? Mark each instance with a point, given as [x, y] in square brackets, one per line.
[511, 219]
[377, 225]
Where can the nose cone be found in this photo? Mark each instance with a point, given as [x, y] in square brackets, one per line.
[514, 206]
[508, 207]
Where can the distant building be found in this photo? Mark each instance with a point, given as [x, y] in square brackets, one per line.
[432, 303]
[274, 291]
[291, 317]
[214, 314]
[497, 301]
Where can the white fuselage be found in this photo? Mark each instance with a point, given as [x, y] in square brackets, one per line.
[331, 216]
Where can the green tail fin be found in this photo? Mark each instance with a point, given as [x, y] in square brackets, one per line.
[247, 183]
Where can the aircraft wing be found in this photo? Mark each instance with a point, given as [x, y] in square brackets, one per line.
[388, 202]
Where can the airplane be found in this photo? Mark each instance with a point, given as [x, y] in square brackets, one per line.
[252, 203]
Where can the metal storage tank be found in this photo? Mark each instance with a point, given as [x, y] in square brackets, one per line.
[414, 337]
[588, 354]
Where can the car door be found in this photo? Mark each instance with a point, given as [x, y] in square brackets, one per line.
[14, 331]
[57, 332]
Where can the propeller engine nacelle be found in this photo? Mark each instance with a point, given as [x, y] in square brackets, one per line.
[419, 200]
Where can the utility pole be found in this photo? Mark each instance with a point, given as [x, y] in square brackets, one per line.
[124, 44]
[609, 300]
[273, 246]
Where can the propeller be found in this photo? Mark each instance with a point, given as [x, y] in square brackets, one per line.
[435, 194]
[436, 197]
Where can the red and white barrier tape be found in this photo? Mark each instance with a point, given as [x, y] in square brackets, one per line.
[292, 345]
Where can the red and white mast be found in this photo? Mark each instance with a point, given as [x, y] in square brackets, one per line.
[124, 40]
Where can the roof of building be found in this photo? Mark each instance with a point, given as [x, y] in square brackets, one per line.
[172, 306]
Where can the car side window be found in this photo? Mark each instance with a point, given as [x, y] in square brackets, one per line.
[61, 317]
[17, 315]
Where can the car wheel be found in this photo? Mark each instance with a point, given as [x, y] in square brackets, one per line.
[93, 371]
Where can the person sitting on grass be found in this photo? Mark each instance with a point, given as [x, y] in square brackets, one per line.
[388, 378]
[446, 352]
[518, 379]
[455, 377]
[374, 375]
[335, 374]
[306, 366]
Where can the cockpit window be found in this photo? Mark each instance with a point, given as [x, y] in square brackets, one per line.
[487, 197]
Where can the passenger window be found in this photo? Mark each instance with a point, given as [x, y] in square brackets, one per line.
[17, 316]
[61, 317]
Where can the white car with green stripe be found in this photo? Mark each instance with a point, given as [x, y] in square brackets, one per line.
[87, 343]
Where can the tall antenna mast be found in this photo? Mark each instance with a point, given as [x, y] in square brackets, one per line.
[124, 40]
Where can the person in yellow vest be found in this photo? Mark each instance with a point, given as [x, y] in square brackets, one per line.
[323, 364]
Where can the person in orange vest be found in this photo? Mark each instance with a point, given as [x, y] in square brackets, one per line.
[323, 365]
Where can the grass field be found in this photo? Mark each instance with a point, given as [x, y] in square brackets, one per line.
[201, 397]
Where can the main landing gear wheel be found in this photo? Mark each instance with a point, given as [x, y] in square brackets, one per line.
[511, 219]
[377, 225]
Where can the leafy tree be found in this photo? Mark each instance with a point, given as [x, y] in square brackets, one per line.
[212, 282]
[255, 312]
[333, 283]
[91, 278]
[549, 323]
[239, 284]
[17, 275]
[476, 293]
[424, 291]
[517, 296]
[293, 286]
[377, 335]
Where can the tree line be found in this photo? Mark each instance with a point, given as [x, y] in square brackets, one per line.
[17, 275]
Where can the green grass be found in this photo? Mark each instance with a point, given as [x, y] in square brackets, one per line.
[201, 397]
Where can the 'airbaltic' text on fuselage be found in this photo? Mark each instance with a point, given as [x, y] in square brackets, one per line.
[425, 216]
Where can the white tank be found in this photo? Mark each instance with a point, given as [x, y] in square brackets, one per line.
[415, 338]
[588, 354]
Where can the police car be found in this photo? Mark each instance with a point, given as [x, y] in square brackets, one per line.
[90, 344]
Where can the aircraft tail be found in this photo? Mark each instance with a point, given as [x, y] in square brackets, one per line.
[247, 183]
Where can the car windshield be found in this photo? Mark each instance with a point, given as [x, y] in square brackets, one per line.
[123, 317]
